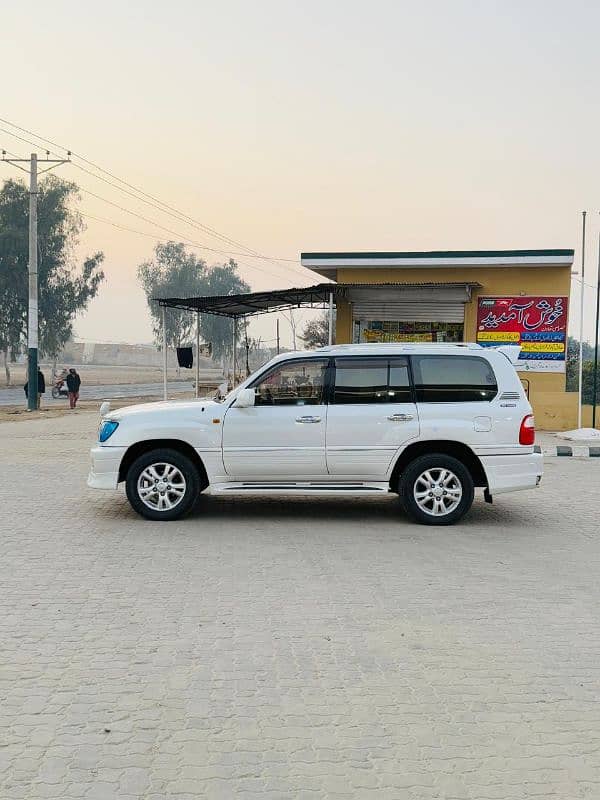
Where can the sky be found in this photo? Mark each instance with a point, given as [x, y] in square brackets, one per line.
[312, 125]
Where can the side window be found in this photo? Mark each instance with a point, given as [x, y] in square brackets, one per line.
[293, 383]
[371, 380]
[451, 379]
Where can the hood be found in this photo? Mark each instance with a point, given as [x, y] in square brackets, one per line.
[162, 407]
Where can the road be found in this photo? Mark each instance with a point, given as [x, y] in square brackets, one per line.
[271, 649]
[16, 395]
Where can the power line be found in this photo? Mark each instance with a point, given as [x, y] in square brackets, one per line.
[157, 224]
[158, 208]
[175, 233]
[168, 230]
[585, 283]
[164, 207]
[190, 241]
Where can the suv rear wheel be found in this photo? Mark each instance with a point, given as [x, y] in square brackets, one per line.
[162, 484]
[436, 489]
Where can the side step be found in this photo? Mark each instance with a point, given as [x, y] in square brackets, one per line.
[298, 487]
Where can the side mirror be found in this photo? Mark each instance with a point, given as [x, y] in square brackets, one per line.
[245, 398]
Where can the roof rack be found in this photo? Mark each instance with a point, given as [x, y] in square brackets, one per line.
[369, 345]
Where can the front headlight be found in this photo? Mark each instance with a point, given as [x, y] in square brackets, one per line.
[107, 428]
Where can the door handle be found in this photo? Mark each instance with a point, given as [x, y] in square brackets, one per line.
[307, 420]
[400, 417]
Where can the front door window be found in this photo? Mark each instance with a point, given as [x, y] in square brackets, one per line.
[298, 383]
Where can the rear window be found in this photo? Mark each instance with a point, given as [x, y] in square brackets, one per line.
[451, 379]
[371, 380]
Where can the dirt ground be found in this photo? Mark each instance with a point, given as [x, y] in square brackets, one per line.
[95, 375]
[20, 414]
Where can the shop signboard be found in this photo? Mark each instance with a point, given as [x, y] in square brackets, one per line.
[538, 324]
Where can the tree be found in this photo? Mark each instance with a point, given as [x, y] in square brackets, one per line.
[316, 332]
[222, 279]
[175, 272]
[573, 362]
[63, 290]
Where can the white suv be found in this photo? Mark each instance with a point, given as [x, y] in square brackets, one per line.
[429, 422]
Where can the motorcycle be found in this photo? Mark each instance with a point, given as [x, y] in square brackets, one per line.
[59, 387]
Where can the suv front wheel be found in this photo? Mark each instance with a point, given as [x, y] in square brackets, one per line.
[162, 484]
[436, 489]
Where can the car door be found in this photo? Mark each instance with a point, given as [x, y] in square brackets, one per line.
[283, 434]
[371, 415]
[454, 394]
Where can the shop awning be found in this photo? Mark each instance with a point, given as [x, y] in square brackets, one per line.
[242, 305]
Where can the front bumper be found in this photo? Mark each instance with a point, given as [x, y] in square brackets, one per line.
[513, 473]
[104, 470]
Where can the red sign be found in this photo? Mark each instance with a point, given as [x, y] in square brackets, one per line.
[538, 324]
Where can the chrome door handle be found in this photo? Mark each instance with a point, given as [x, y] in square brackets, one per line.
[400, 417]
[308, 419]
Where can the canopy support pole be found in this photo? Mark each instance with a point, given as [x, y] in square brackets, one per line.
[197, 393]
[330, 327]
[234, 351]
[164, 346]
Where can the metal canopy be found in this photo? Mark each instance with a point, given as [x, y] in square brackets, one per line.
[243, 305]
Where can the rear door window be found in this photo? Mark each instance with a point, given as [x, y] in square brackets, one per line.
[371, 380]
[451, 379]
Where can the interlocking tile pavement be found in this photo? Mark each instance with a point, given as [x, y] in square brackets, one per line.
[285, 648]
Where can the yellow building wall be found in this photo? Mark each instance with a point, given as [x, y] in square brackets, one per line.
[555, 409]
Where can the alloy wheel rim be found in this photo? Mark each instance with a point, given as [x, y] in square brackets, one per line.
[437, 491]
[161, 486]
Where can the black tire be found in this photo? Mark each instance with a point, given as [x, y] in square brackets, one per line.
[411, 480]
[181, 504]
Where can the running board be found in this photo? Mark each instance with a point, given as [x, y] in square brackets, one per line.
[298, 487]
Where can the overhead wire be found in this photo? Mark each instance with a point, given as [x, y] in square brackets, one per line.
[152, 236]
[125, 183]
[156, 202]
[180, 219]
[156, 224]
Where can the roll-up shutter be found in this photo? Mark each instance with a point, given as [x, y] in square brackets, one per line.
[409, 305]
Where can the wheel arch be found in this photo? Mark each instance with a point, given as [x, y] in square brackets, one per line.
[139, 448]
[457, 450]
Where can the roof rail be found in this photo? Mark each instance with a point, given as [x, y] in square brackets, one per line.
[369, 345]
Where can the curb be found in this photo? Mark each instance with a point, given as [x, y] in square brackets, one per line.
[561, 450]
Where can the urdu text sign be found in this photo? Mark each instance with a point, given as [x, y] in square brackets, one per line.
[538, 324]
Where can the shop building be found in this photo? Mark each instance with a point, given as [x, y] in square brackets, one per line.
[490, 297]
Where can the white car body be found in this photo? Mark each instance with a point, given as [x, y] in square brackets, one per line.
[331, 447]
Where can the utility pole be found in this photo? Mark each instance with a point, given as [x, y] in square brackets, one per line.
[277, 329]
[581, 307]
[32, 314]
[595, 371]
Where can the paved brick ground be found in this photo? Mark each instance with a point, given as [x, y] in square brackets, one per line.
[293, 649]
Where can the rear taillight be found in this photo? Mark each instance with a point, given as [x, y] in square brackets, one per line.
[527, 430]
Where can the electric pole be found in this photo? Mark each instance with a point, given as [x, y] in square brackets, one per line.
[32, 314]
[581, 308]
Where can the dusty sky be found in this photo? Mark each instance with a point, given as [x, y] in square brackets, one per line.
[313, 125]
